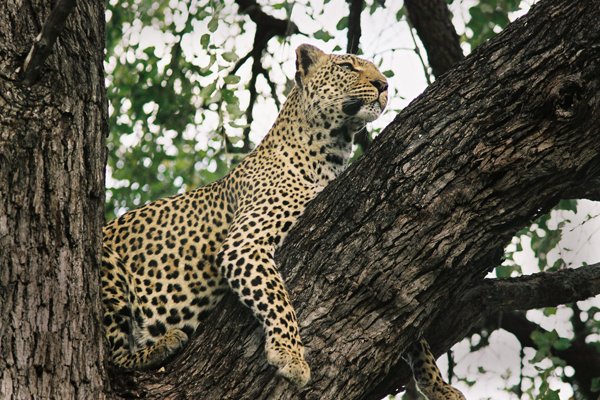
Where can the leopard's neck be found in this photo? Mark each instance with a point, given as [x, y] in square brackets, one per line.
[317, 147]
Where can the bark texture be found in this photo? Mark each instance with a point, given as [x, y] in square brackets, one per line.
[392, 246]
[52, 158]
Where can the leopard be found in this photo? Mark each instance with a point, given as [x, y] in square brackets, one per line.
[427, 375]
[166, 265]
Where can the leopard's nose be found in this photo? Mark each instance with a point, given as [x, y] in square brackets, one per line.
[380, 85]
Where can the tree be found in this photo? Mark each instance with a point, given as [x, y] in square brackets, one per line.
[53, 126]
[407, 234]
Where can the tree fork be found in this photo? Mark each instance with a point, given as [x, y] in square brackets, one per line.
[407, 230]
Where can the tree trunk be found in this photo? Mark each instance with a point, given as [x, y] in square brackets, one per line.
[52, 158]
[401, 237]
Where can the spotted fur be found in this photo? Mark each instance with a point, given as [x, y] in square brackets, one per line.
[168, 263]
[427, 375]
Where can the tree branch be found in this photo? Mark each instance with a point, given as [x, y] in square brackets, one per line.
[432, 21]
[483, 302]
[543, 289]
[361, 138]
[354, 29]
[267, 27]
[42, 45]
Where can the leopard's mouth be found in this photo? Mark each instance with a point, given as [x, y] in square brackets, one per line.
[366, 112]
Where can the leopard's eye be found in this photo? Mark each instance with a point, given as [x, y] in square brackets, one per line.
[347, 66]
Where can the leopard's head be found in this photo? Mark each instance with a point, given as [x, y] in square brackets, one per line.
[341, 89]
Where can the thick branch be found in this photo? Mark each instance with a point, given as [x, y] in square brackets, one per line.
[432, 20]
[43, 43]
[385, 251]
[544, 289]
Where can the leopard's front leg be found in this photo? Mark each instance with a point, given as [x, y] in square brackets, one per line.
[246, 261]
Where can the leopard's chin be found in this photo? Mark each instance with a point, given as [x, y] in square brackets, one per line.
[369, 112]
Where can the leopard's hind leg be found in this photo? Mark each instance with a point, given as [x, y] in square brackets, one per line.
[119, 312]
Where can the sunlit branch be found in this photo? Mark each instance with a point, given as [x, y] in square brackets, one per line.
[544, 289]
[486, 300]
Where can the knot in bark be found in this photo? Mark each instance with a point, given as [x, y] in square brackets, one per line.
[565, 97]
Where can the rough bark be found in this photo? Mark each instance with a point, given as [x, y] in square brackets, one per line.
[52, 158]
[433, 23]
[394, 244]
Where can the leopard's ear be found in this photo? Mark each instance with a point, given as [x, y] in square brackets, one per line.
[307, 58]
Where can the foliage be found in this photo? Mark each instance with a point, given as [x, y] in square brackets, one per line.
[170, 102]
[178, 86]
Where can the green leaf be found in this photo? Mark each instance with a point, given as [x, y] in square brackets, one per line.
[388, 73]
[567, 205]
[204, 40]
[561, 344]
[518, 247]
[213, 24]
[551, 395]
[322, 35]
[207, 91]
[231, 79]
[549, 311]
[505, 271]
[595, 384]
[342, 24]
[229, 56]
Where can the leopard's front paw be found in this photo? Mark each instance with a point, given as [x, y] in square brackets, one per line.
[290, 364]
[174, 340]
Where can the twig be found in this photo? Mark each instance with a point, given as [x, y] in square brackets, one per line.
[240, 62]
[418, 52]
[264, 73]
[43, 43]
[256, 69]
